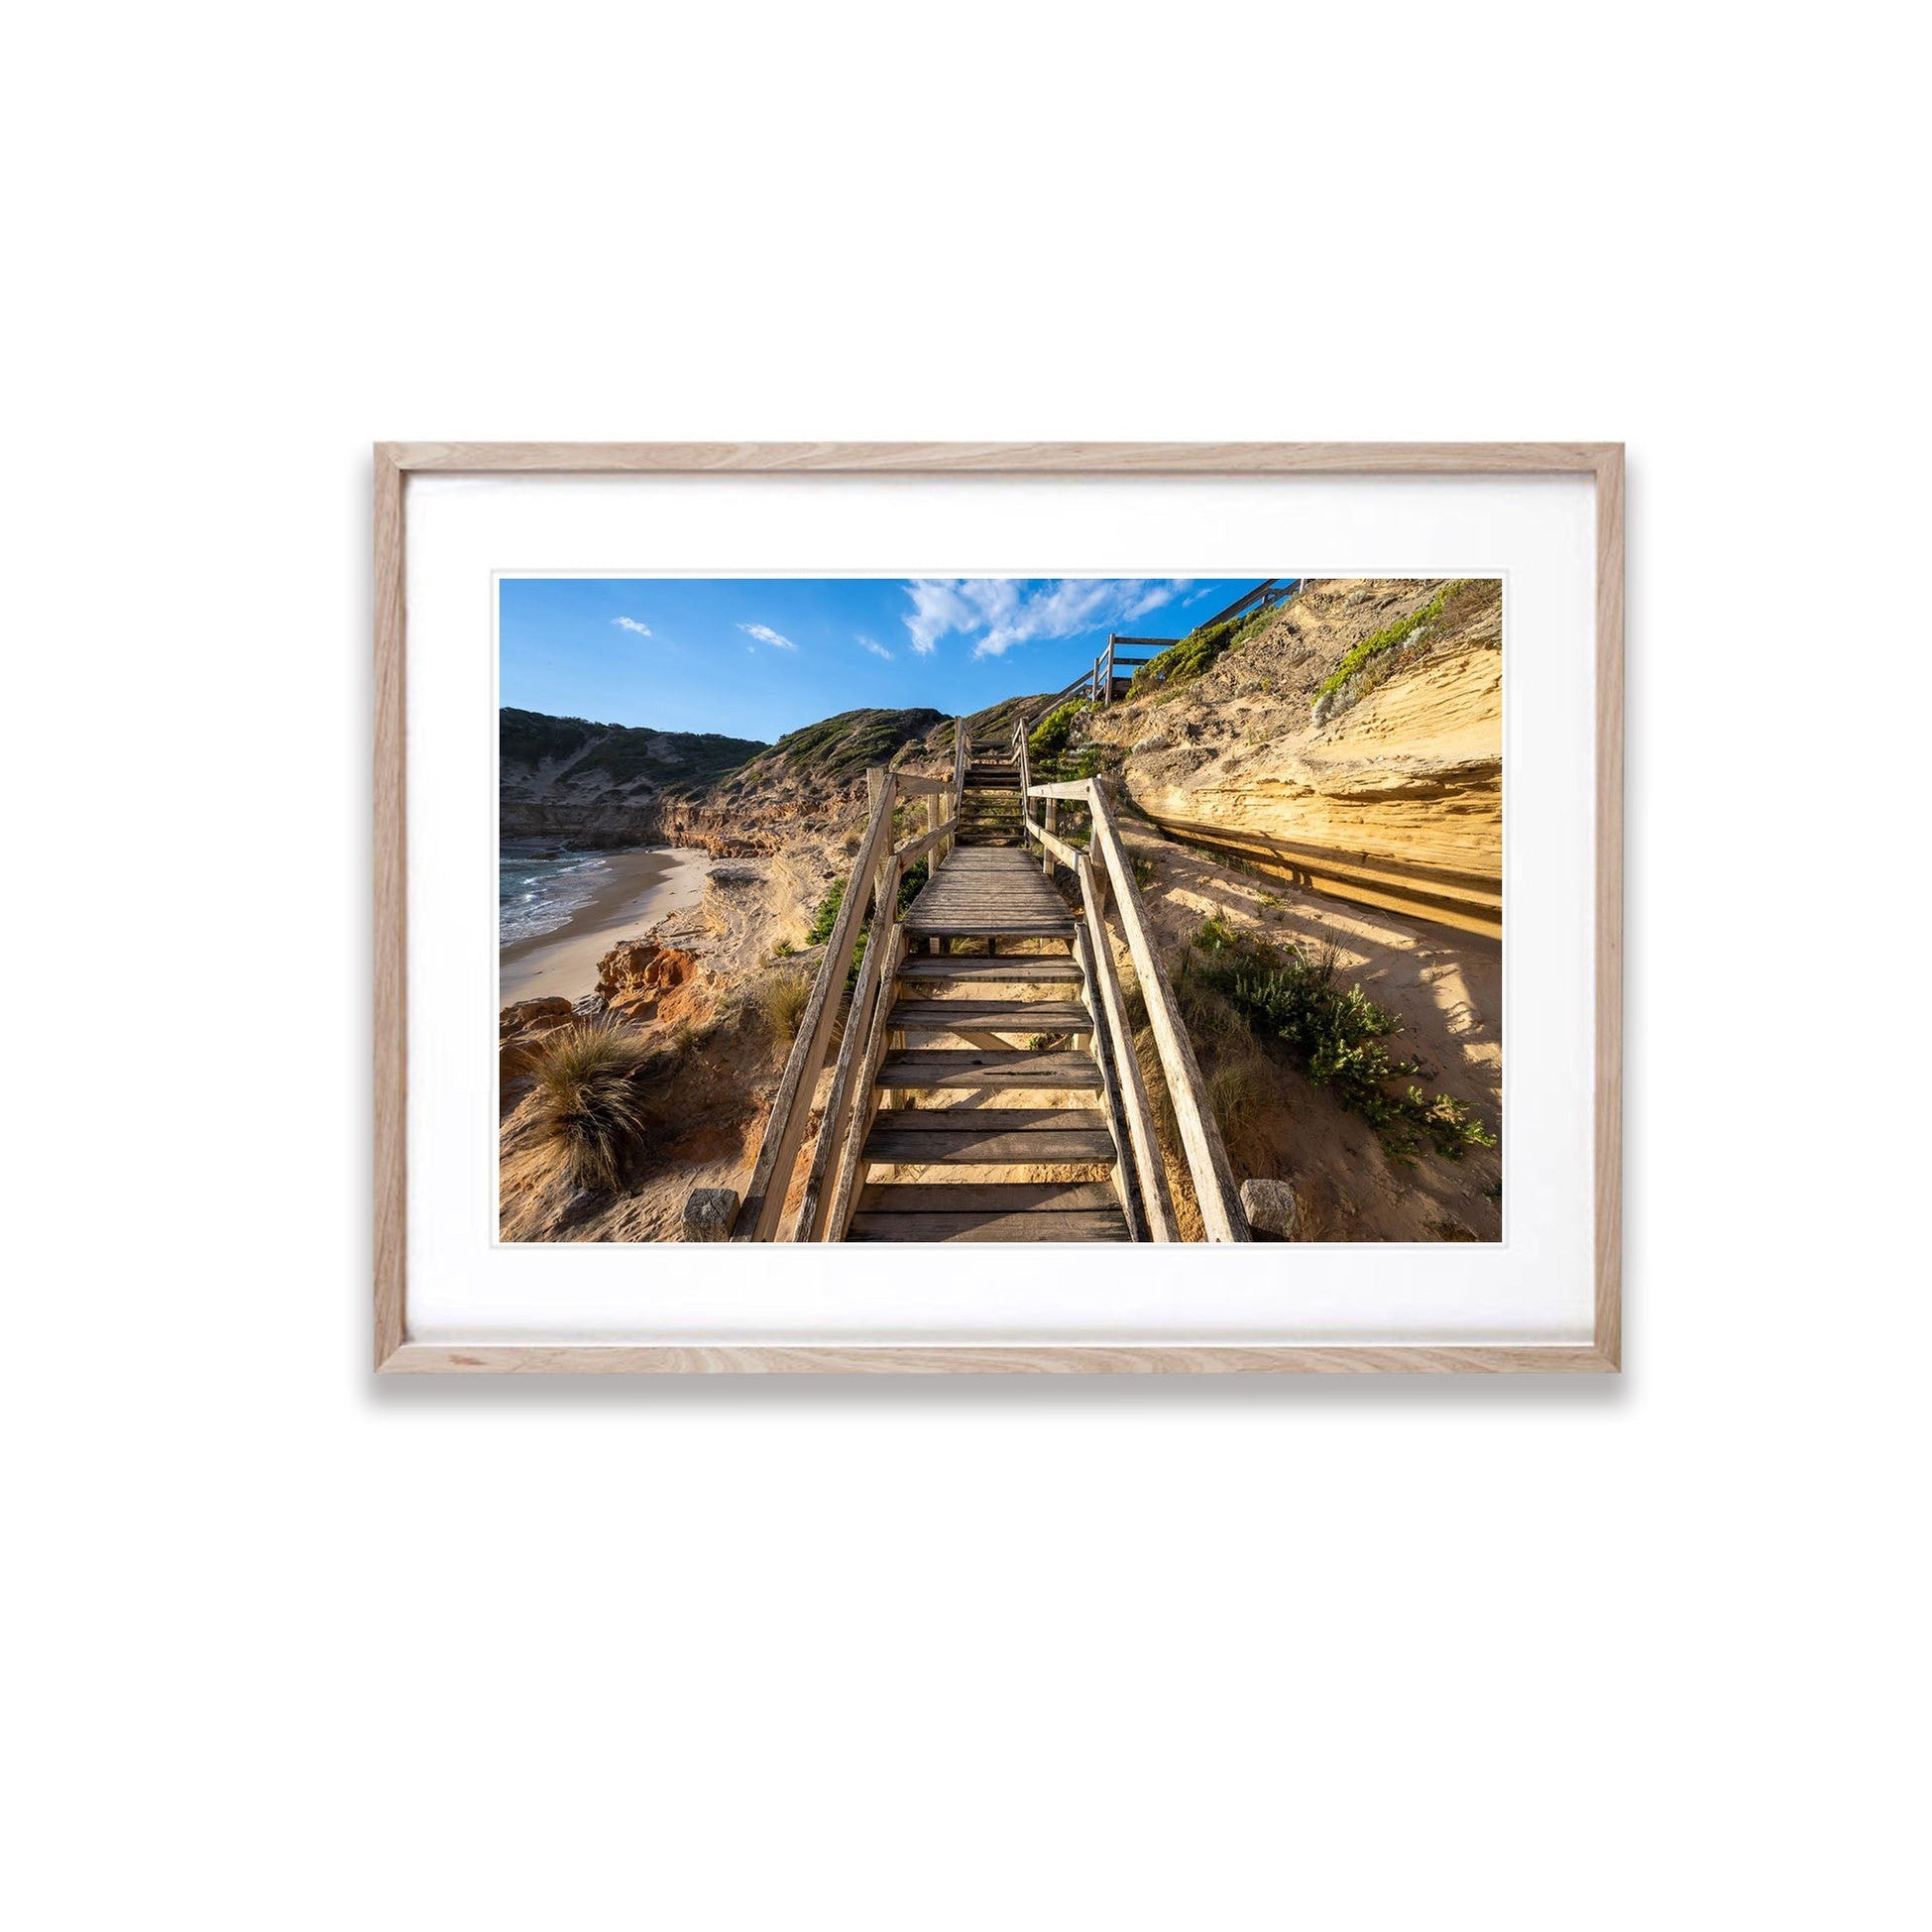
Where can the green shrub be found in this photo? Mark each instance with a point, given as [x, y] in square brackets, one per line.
[1335, 1035]
[1388, 638]
[827, 915]
[1047, 739]
[1181, 662]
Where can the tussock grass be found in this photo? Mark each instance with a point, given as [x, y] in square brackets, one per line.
[590, 1107]
[1237, 1089]
[781, 1001]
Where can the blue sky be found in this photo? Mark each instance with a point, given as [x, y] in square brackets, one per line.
[760, 656]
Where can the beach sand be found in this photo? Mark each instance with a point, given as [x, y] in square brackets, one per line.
[637, 889]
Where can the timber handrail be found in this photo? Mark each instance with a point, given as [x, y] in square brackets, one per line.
[873, 882]
[1216, 1191]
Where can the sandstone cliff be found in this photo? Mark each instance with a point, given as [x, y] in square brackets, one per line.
[1350, 742]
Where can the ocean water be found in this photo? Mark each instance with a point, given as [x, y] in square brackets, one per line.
[537, 895]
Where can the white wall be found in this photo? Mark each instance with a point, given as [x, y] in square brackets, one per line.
[296, 1650]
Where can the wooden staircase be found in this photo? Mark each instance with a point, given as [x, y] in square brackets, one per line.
[986, 1085]
[976, 1041]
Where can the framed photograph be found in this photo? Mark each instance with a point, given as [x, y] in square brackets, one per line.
[999, 907]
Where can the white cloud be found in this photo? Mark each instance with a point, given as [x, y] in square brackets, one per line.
[875, 646]
[632, 624]
[766, 635]
[1006, 614]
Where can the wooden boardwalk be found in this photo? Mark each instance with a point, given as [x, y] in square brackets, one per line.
[987, 1083]
[978, 1043]
[990, 892]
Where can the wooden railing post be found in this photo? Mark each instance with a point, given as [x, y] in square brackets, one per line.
[1026, 781]
[784, 1131]
[832, 1124]
[1111, 1010]
[1200, 1135]
[864, 1094]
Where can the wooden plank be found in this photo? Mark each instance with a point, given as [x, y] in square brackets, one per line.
[1344, 862]
[992, 1015]
[981, 1066]
[895, 1140]
[1123, 1181]
[865, 1101]
[1103, 986]
[1069, 856]
[1607, 1145]
[1108, 1225]
[1055, 970]
[985, 927]
[1026, 773]
[391, 914]
[1200, 1137]
[1063, 788]
[1073, 1358]
[910, 856]
[957, 796]
[834, 1124]
[887, 1146]
[1478, 912]
[784, 1130]
[912, 783]
[994, 1197]
[1011, 459]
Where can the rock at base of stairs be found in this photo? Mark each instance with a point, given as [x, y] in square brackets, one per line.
[1270, 1209]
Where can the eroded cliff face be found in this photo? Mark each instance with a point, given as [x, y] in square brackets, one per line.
[1387, 788]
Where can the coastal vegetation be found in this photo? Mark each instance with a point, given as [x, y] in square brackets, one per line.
[827, 915]
[838, 750]
[1378, 657]
[1333, 1034]
[591, 1100]
[1047, 739]
[1180, 663]
[678, 763]
[781, 1000]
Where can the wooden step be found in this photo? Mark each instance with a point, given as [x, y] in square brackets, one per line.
[943, 970]
[987, 923]
[991, 1068]
[992, 1137]
[1081, 1211]
[990, 1016]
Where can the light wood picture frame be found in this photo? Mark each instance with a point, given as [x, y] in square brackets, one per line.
[396, 462]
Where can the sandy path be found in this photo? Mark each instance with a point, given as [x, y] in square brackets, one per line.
[637, 889]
